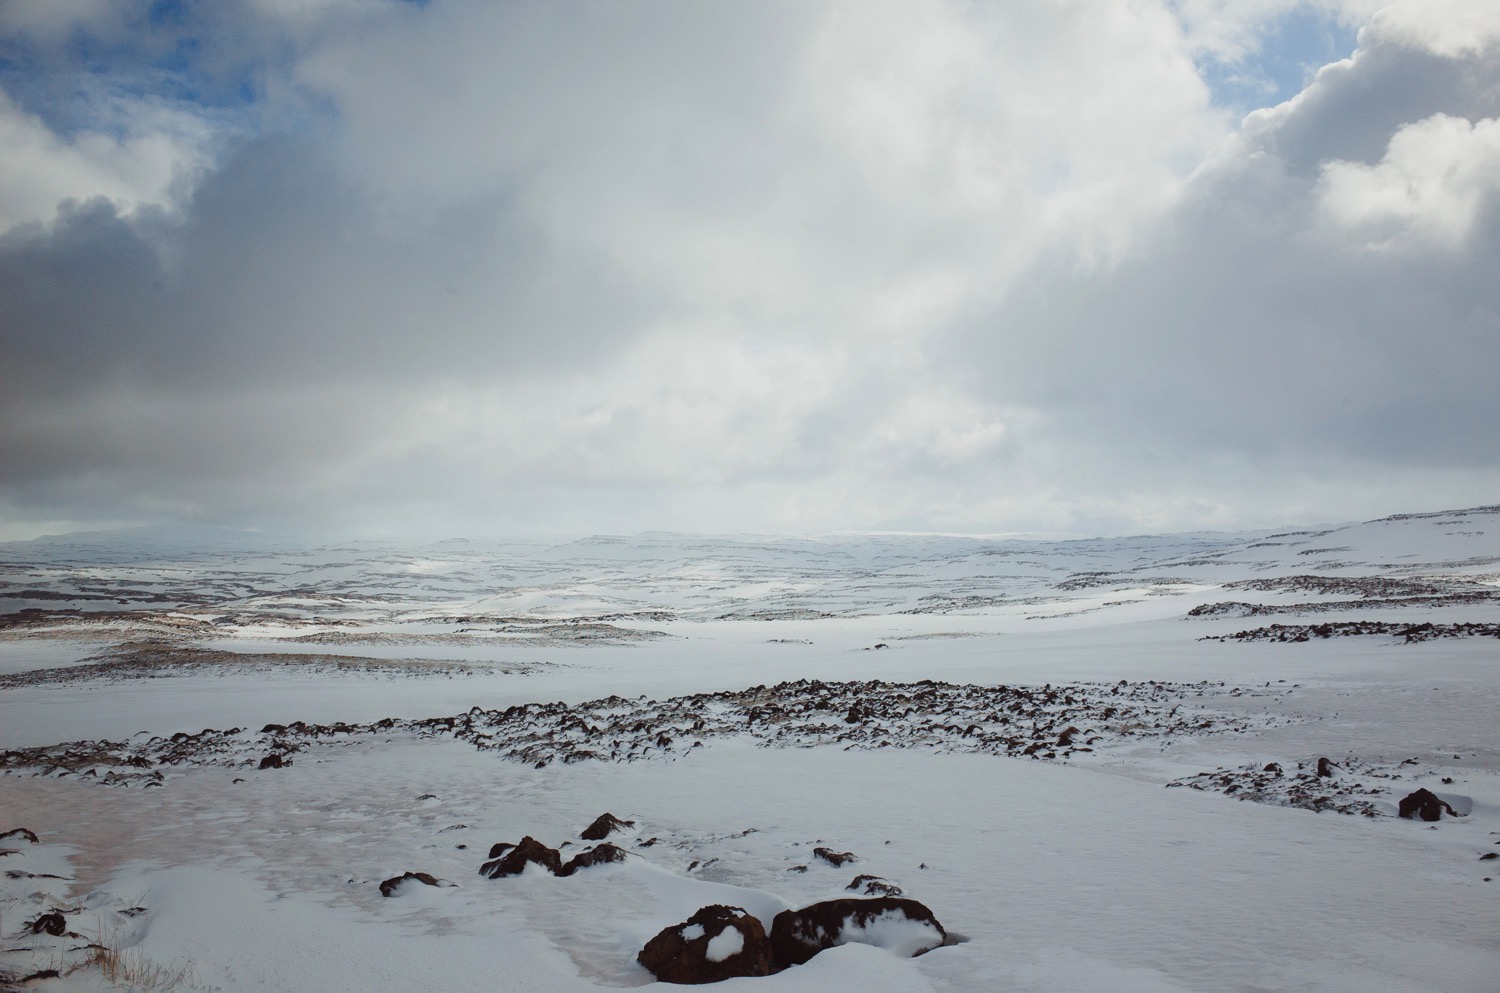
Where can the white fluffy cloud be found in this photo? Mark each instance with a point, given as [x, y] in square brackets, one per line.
[782, 265]
[1438, 178]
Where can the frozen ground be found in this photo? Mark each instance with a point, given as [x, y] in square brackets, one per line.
[1064, 860]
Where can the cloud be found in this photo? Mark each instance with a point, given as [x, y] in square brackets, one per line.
[779, 265]
[1320, 301]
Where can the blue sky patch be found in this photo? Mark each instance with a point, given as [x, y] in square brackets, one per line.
[1294, 48]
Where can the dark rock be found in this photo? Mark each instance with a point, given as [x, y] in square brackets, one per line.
[54, 924]
[1426, 805]
[598, 855]
[528, 852]
[604, 825]
[21, 833]
[273, 761]
[1487, 856]
[694, 952]
[1272, 767]
[499, 848]
[41, 974]
[874, 886]
[1325, 768]
[273, 729]
[834, 858]
[390, 886]
[798, 935]
[1066, 738]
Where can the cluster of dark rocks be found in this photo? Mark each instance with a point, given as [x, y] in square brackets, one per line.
[1317, 785]
[508, 859]
[155, 659]
[1322, 785]
[721, 942]
[1039, 722]
[1410, 633]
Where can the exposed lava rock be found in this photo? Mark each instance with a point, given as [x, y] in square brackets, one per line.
[54, 924]
[1410, 633]
[834, 858]
[390, 886]
[25, 833]
[715, 944]
[598, 855]
[528, 852]
[604, 825]
[1426, 805]
[926, 714]
[904, 926]
[273, 761]
[874, 886]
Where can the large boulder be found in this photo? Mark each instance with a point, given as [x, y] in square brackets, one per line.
[715, 944]
[834, 858]
[598, 855]
[905, 927]
[393, 885]
[515, 860]
[604, 825]
[1426, 805]
[54, 924]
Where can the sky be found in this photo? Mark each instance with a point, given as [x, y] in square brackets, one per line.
[469, 266]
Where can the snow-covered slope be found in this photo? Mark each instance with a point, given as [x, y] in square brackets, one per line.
[1045, 742]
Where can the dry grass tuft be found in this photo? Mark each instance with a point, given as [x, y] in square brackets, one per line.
[129, 969]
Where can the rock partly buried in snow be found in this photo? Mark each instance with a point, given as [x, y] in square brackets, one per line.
[834, 858]
[273, 761]
[905, 927]
[393, 885]
[604, 825]
[598, 855]
[528, 852]
[54, 924]
[874, 886]
[22, 833]
[1426, 805]
[715, 944]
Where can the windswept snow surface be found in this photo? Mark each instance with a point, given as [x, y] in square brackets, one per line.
[1117, 857]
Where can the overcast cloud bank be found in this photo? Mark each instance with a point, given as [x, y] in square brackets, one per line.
[778, 267]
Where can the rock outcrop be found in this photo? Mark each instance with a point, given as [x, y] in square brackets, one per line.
[604, 825]
[1426, 805]
[516, 859]
[902, 926]
[715, 944]
[393, 885]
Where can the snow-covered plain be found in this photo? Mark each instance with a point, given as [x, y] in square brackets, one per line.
[1071, 867]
